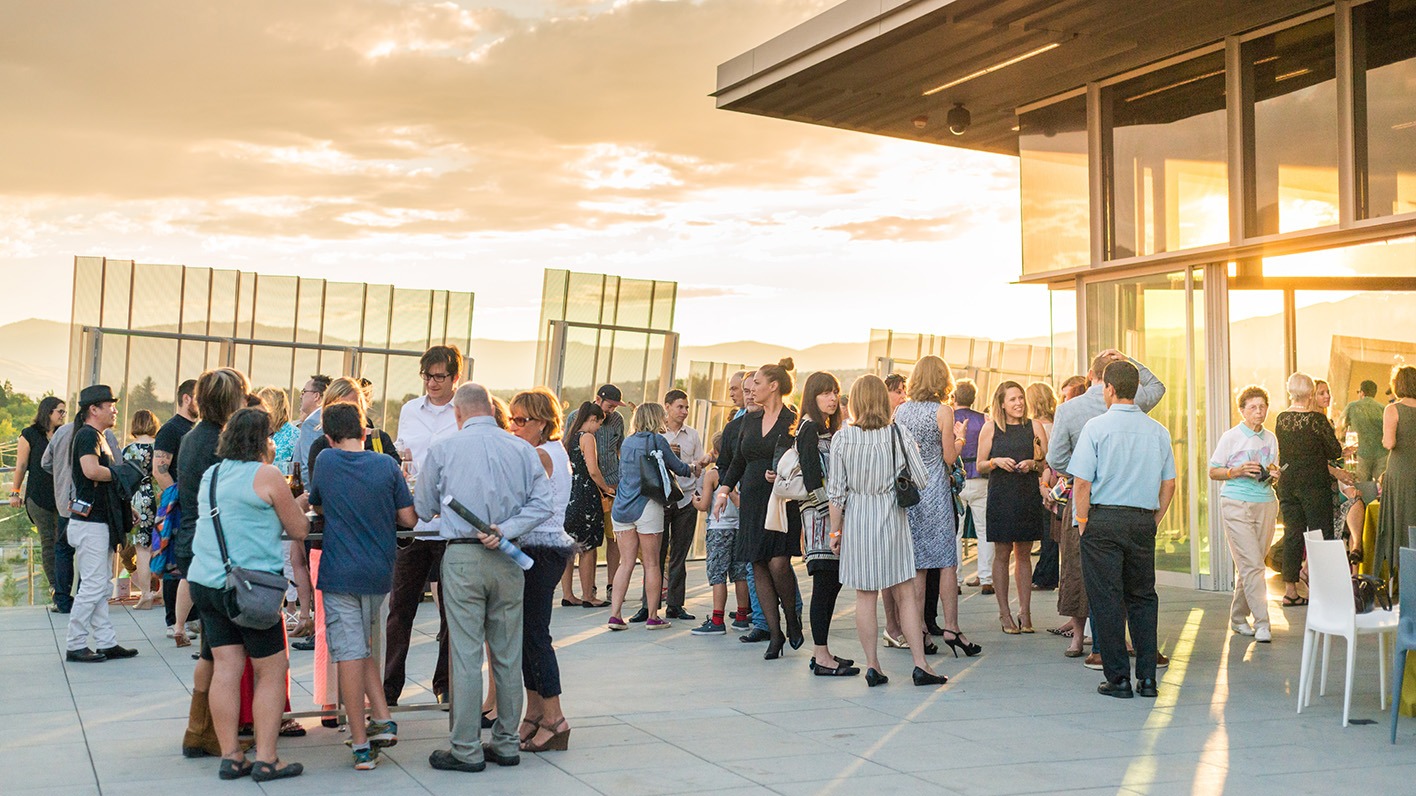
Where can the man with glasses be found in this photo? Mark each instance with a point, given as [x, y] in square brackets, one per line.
[422, 422]
[311, 398]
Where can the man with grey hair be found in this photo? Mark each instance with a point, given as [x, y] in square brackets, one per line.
[500, 479]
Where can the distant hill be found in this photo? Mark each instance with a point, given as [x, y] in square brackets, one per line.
[34, 356]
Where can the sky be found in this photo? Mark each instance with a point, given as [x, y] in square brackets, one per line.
[469, 145]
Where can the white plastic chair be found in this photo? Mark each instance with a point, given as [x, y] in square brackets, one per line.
[1332, 613]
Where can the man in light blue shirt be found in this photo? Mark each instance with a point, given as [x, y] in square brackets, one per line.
[1124, 472]
[1067, 425]
[500, 479]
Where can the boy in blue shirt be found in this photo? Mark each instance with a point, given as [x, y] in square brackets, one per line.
[364, 498]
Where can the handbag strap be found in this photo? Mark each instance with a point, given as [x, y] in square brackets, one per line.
[215, 514]
[894, 437]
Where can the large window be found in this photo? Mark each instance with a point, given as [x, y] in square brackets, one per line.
[1293, 78]
[1168, 172]
[1384, 47]
[1056, 215]
[1151, 319]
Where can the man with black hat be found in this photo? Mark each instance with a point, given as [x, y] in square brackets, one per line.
[607, 446]
[1364, 416]
[96, 515]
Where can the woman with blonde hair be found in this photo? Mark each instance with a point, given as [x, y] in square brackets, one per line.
[277, 404]
[638, 514]
[764, 435]
[1012, 450]
[869, 529]
[929, 418]
[1042, 405]
[1306, 443]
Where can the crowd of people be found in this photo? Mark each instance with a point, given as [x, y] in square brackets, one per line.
[490, 505]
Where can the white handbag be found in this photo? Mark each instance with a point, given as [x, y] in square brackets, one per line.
[790, 485]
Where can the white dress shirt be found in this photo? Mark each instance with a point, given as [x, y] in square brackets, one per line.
[690, 453]
[420, 424]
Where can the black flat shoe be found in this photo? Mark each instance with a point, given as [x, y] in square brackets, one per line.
[754, 636]
[569, 604]
[642, 615]
[837, 671]
[265, 772]
[921, 677]
[1147, 688]
[958, 644]
[874, 678]
[774, 650]
[841, 663]
[501, 760]
[85, 656]
[593, 604]
[1121, 689]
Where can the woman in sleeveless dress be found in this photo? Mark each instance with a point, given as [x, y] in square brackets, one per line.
[1398, 502]
[933, 523]
[1012, 450]
[584, 514]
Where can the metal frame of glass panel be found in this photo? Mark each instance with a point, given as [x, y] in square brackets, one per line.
[143, 329]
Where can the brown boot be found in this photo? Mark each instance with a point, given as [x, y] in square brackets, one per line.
[200, 738]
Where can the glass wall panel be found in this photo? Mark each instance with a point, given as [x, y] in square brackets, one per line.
[378, 303]
[158, 298]
[343, 313]
[1147, 319]
[1063, 354]
[1256, 345]
[1168, 167]
[1293, 75]
[1198, 402]
[410, 319]
[228, 291]
[1384, 47]
[459, 321]
[117, 293]
[1346, 338]
[309, 310]
[275, 307]
[1395, 257]
[153, 378]
[1053, 162]
[88, 302]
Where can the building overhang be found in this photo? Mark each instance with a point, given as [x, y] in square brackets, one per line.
[879, 66]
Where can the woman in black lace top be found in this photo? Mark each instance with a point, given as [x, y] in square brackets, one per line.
[1306, 443]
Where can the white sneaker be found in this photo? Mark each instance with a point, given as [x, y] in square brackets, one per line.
[1242, 628]
[193, 628]
[171, 631]
[1263, 635]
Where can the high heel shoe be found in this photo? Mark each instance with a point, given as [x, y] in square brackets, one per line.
[795, 637]
[930, 648]
[774, 648]
[874, 678]
[892, 642]
[921, 677]
[1022, 628]
[958, 644]
[1005, 620]
[558, 742]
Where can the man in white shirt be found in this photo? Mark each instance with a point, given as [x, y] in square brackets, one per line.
[681, 520]
[422, 422]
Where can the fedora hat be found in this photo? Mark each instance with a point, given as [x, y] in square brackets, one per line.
[96, 394]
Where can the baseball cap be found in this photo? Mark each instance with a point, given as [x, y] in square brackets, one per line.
[610, 392]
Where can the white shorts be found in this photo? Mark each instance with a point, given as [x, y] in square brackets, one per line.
[651, 521]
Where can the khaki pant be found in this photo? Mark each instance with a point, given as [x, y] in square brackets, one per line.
[975, 496]
[482, 599]
[1249, 528]
[1071, 590]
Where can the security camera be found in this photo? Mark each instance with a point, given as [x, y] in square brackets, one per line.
[959, 118]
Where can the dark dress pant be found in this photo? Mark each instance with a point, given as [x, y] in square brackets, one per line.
[413, 566]
[1118, 566]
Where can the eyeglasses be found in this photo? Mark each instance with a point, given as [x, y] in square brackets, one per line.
[520, 421]
[436, 378]
[62, 411]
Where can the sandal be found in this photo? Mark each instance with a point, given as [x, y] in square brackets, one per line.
[234, 769]
[1293, 602]
[1064, 632]
[181, 639]
[535, 727]
[558, 742]
[265, 772]
[291, 728]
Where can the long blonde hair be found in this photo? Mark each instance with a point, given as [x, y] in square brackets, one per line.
[277, 403]
[648, 417]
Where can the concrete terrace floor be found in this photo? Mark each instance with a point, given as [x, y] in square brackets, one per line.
[668, 712]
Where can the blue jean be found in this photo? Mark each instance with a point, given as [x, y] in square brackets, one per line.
[759, 619]
[63, 567]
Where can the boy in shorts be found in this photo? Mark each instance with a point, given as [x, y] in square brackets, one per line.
[721, 567]
[364, 499]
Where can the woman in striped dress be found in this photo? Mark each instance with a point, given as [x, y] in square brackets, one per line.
[869, 530]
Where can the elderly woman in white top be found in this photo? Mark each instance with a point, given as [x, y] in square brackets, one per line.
[1244, 460]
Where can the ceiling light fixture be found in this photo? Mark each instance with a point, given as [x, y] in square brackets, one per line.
[1177, 84]
[990, 69]
[1404, 126]
[1294, 73]
[921, 121]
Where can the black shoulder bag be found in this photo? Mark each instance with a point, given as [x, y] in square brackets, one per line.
[906, 492]
[251, 598]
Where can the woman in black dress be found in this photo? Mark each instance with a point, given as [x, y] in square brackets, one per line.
[585, 514]
[765, 435]
[1011, 452]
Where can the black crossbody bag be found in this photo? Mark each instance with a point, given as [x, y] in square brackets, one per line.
[906, 491]
[251, 598]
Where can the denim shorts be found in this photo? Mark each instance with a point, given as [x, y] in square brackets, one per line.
[354, 625]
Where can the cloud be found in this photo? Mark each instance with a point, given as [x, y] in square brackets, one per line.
[896, 228]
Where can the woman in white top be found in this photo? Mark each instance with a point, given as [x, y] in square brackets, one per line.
[869, 529]
[536, 417]
[1244, 461]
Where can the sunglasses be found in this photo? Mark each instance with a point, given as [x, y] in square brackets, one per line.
[520, 421]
